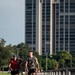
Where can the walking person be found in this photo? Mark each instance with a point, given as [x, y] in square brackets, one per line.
[14, 65]
[31, 62]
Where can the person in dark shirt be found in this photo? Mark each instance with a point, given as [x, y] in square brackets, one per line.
[31, 62]
[14, 65]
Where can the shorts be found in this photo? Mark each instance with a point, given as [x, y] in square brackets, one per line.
[31, 71]
[14, 72]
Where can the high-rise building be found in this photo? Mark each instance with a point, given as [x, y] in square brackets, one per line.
[50, 25]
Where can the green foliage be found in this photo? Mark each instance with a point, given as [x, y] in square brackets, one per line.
[43, 63]
[59, 59]
[4, 73]
[50, 64]
[64, 54]
[2, 42]
[63, 57]
[10, 49]
[55, 64]
[4, 55]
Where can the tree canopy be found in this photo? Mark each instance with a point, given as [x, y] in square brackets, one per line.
[57, 60]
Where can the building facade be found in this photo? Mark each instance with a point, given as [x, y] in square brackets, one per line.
[50, 25]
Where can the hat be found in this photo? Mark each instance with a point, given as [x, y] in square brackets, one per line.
[14, 55]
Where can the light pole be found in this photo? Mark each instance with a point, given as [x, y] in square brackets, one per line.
[46, 62]
[17, 52]
[71, 61]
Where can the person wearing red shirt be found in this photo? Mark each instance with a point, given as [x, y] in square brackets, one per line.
[13, 65]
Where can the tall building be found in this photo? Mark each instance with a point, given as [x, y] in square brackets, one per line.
[50, 25]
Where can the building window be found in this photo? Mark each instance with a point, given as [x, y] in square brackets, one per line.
[41, 1]
[55, 0]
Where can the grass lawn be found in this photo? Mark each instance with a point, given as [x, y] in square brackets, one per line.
[4, 73]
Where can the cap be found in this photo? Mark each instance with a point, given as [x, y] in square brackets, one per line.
[14, 55]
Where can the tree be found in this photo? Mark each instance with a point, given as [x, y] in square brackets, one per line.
[62, 57]
[2, 42]
[43, 63]
[23, 50]
[4, 56]
[10, 49]
[50, 64]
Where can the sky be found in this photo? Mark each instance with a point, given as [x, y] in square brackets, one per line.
[12, 17]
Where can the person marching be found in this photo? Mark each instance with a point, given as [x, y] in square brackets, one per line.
[30, 65]
[14, 65]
